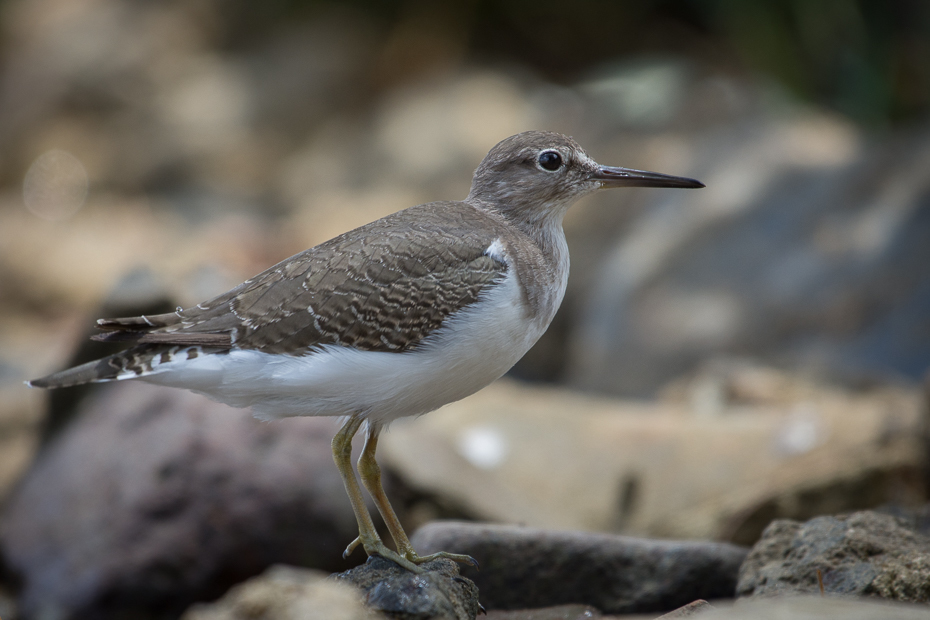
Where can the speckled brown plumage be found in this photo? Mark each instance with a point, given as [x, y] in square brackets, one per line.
[367, 289]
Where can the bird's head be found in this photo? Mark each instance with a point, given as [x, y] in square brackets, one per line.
[538, 175]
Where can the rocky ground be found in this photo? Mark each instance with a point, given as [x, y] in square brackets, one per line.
[732, 386]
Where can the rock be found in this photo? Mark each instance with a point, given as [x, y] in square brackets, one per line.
[154, 498]
[20, 420]
[586, 612]
[806, 249]
[7, 606]
[694, 608]
[525, 567]
[864, 554]
[558, 612]
[439, 593]
[552, 458]
[817, 608]
[285, 593]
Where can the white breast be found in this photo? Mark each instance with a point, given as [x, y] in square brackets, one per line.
[475, 347]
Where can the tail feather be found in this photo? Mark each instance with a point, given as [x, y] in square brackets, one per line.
[106, 369]
[137, 361]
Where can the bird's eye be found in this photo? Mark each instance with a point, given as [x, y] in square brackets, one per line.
[550, 160]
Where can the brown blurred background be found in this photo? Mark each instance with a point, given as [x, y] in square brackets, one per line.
[153, 154]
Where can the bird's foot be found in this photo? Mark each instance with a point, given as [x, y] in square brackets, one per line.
[455, 557]
[376, 547]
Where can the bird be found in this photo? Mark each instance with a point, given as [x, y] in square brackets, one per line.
[396, 318]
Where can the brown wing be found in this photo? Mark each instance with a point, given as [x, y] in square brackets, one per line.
[369, 289]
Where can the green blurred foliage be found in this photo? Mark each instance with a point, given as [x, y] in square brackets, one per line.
[867, 59]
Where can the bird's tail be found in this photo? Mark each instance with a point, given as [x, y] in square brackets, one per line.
[106, 369]
[138, 361]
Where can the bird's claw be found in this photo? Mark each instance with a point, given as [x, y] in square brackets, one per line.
[352, 546]
[455, 557]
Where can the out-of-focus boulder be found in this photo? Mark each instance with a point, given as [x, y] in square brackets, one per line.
[19, 421]
[552, 458]
[817, 608]
[286, 593]
[864, 554]
[525, 567]
[805, 248]
[7, 606]
[555, 612]
[153, 498]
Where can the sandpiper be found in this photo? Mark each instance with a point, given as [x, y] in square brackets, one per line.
[396, 318]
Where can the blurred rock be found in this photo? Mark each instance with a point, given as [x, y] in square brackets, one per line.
[555, 459]
[722, 383]
[525, 567]
[100, 79]
[804, 249]
[7, 606]
[439, 593]
[695, 608]
[557, 612]
[285, 593]
[20, 418]
[863, 554]
[817, 608]
[155, 498]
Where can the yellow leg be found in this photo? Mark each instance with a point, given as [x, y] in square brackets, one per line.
[367, 535]
[370, 473]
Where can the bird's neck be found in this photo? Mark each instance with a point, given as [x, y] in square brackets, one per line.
[542, 225]
[548, 264]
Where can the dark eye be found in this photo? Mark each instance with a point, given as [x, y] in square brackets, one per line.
[550, 160]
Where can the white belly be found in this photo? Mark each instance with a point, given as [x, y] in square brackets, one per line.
[477, 346]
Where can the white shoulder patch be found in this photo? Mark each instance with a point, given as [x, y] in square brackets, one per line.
[496, 251]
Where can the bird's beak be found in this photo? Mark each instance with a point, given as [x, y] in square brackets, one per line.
[627, 177]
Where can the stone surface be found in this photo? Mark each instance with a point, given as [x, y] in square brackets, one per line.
[552, 458]
[20, 418]
[439, 593]
[694, 608]
[865, 554]
[286, 593]
[806, 249]
[557, 612]
[816, 608]
[7, 606]
[586, 612]
[525, 567]
[154, 498]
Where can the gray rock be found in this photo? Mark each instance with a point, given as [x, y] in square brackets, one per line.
[286, 593]
[559, 612]
[155, 498]
[698, 607]
[713, 469]
[7, 606]
[806, 249]
[526, 567]
[437, 594]
[864, 554]
[817, 608]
